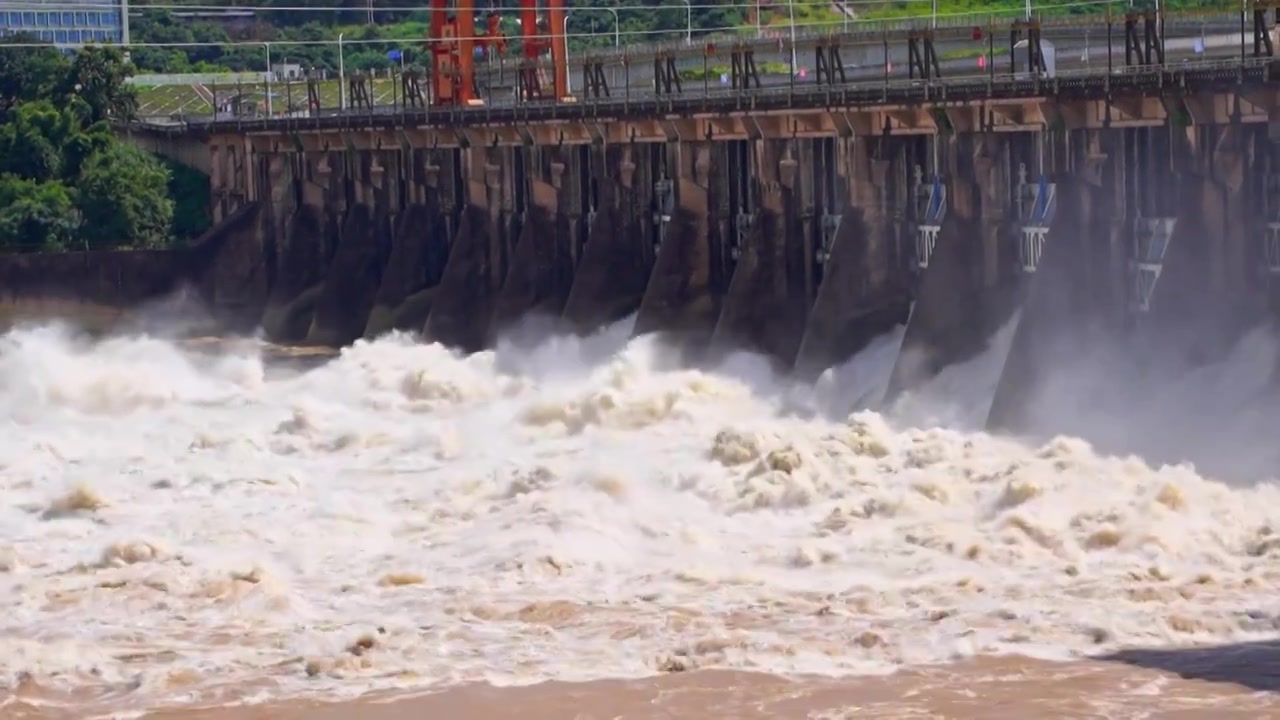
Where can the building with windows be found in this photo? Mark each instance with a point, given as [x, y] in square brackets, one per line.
[67, 23]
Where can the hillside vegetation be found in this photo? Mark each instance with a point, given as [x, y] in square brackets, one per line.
[66, 181]
[310, 37]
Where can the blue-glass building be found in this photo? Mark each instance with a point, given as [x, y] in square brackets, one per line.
[67, 23]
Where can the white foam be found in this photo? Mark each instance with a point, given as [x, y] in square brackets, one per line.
[1167, 409]
[580, 509]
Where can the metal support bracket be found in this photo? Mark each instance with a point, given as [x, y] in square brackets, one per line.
[666, 76]
[742, 224]
[359, 93]
[1147, 49]
[1151, 238]
[922, 57]
[743, 73]
[930, 211]
[594, 82]
[828, 66]
[828, 226]
[1037, 204]
[664, 207]
[313, 93]
[411, 92]
[1262, 45]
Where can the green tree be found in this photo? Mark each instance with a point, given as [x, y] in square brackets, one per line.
[65, 179]
[160, 26]
[35, 216]
[190, 192]
[203, 32]
[79, 146]
[122, 195]
[31, 142]
[97, 76]
[28, 73]
[43, 143]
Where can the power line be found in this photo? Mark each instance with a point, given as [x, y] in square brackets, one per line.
[33, 4]
[136, 8]
[847, 24]
[850, 24]
[741, 5]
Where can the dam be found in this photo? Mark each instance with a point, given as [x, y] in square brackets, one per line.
[1107, 177]
[931, 371]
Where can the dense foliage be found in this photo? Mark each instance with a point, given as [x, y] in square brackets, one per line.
[66, 182]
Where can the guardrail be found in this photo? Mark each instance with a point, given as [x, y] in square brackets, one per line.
[1079, 83]
[196, 78]
[968, 57]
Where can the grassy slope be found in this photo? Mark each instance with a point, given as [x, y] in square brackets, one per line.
[908, 9]
[178, 99]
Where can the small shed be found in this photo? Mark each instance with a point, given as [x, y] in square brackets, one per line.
[287, 71]
[1047, 50]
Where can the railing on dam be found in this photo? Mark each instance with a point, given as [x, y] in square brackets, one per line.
[961, 59]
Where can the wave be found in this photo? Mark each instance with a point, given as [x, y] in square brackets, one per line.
[181, 520]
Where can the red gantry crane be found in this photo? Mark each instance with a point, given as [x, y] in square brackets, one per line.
[453, 43]
[541, 36]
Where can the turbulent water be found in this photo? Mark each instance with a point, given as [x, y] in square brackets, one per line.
[191, 524]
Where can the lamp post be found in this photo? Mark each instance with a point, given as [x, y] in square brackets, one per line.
[268, 76]
[791, 10]
[342, 74]
[617, 33]
[688, 22]
[564, 30]
[617, 25]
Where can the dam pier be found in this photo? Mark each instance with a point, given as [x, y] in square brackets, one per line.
[1062, 192]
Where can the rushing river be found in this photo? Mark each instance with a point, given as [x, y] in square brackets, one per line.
[184, 523]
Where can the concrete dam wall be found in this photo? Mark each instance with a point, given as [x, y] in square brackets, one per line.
[719, 244]
[94, 288]
[102, 290]
[1018, 247]
[800, 249]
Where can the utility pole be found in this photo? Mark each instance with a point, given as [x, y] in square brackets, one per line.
[791, 8]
